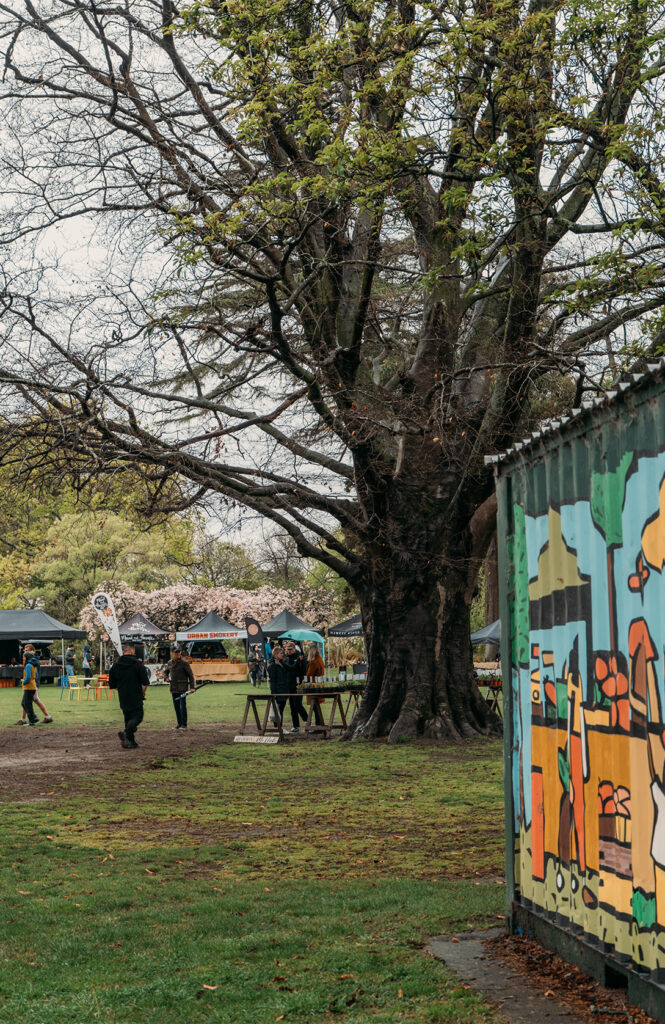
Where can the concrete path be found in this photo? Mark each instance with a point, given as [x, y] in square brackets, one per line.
[465, 955]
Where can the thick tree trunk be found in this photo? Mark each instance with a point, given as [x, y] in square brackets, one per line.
[420, 667]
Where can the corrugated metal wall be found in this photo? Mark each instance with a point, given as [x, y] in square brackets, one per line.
[582, 527]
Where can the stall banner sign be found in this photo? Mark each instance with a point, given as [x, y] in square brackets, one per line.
[254, 631]
[103, 605]
[208, 636]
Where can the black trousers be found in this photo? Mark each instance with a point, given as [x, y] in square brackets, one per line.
[281, 704]
[133, 717]
[180, 707]
[28, 698]
[297, 711]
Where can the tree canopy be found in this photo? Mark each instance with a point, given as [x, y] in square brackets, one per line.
[349, 242]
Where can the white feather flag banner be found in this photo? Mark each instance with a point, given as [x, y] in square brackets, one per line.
[103, 605]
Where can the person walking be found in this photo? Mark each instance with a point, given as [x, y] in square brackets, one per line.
[180, 677]
[295, 668]
[256, 665]
[23, 720]
[129, 677]
[279, 679]
[69, 660]
[30, 681]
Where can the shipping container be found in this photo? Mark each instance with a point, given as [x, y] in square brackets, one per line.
[581, 527]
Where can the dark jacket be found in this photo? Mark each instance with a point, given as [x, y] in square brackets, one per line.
[255, 658]
[279, 676]
[180, 675]
[295, 670]
[128, 676]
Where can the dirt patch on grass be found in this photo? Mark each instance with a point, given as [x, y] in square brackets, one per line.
[33, 759]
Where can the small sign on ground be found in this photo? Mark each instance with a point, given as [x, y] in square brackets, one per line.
[256, 739]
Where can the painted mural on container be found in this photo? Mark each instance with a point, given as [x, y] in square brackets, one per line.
[587, 614]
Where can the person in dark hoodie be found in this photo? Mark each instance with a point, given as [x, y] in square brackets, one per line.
[130, 678]
[30, 683]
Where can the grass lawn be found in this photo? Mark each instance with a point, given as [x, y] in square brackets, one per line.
[223, 702]
[295, 882]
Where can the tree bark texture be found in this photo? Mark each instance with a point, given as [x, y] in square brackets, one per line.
[416, 603]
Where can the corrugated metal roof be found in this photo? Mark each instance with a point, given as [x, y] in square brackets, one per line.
[550, 427]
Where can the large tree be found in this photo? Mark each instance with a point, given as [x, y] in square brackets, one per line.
[388, 221]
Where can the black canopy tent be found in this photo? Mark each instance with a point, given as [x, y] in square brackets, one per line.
[23, 624]
[141, 629]
[282, 623]
[211, 627]
[350, 627]
[32, 623]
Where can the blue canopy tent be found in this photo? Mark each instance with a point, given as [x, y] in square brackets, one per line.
[302, 634]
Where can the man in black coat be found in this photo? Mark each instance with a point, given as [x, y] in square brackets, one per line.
[279, 678]
[181, 679]
[295, 670]
[130, 678]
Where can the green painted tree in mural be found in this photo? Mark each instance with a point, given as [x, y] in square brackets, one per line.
[608, 493]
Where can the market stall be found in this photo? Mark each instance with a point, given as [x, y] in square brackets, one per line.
[349, 630]
[151, 643]
[19, 626]
[203, 646]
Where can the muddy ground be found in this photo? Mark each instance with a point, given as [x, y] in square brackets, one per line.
[33, 758]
